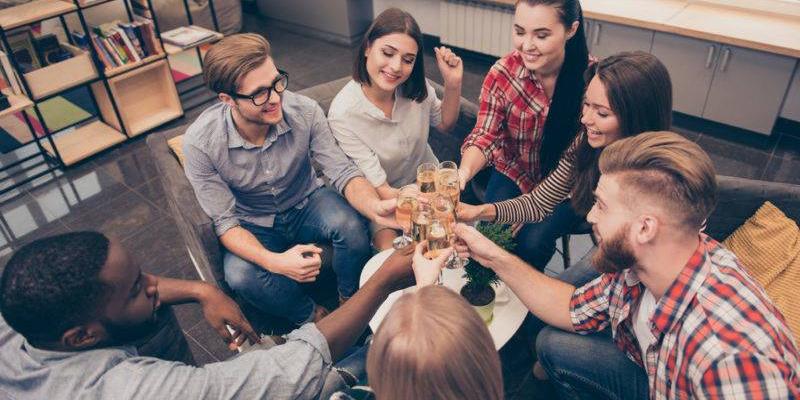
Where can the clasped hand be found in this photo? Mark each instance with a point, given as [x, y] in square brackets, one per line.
[300, 263]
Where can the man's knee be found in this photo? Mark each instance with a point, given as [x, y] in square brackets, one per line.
[349, 228]
[238, 272]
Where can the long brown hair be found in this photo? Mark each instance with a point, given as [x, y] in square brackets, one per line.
[563, 119]
[639, 92]
[433, 345]
[394, 20]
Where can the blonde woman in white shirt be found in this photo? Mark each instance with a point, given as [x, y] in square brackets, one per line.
[382, 117]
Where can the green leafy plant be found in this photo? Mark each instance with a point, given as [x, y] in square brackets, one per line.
[480, 278]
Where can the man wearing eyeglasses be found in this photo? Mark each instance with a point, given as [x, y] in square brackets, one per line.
[249, 160]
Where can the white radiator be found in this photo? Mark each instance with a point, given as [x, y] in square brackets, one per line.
[476, 26]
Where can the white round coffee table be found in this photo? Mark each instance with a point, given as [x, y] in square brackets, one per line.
[509, 312]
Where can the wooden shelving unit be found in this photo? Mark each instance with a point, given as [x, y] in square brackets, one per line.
[146, 97]
[83, 142]
[170, 49]
[34, 11]
[130, 99]
[18, 103]
[112, 72]
[61, 76]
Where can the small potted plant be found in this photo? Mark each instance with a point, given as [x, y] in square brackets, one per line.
[479, 291]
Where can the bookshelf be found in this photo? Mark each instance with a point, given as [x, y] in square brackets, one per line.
[170, 49]
[122, 64]
[145, 102]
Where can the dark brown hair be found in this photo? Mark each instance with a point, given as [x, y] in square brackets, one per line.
[231, 58]
[667, 169]
[639, 92]
[394, 20]
[563, 119]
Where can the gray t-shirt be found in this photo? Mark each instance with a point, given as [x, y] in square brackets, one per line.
[294, 370]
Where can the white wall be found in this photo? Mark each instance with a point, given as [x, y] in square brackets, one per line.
[426, 12]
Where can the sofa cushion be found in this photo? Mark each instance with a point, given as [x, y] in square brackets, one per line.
[768, 246]
[176, 145]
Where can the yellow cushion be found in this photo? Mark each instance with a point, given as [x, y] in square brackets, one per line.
[768, 245]
[176, 145]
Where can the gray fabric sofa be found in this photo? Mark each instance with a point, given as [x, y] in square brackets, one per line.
[195, 226]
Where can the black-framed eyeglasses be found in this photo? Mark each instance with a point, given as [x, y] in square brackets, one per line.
[280, 84]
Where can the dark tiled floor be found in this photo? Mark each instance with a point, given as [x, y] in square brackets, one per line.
[118, 191]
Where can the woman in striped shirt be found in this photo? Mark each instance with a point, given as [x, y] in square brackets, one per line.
[627, 94]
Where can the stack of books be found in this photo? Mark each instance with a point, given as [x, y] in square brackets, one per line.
[188, 36]
[119, 43]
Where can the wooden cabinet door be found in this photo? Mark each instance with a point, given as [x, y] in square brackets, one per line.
[691, 64]
[748, 88]
[607, 39]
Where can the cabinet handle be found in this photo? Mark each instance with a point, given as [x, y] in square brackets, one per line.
[710, 57]
[726, 56]
[596, 33]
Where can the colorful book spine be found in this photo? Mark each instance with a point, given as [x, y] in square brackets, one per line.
[133, 40]
[102, 52]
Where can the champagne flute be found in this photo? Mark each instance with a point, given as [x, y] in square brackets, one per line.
[438, 240]
[426, 179]
[447, 182]
[406, 203]
[421, 218]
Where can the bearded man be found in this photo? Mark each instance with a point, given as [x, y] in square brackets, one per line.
[673, 315]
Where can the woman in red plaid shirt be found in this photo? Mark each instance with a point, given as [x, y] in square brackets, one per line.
[529, 107]
[686, 321]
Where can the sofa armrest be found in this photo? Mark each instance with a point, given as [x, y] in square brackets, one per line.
[739, 198]
[197, 229]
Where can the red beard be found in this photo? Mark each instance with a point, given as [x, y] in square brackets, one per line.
[614, 254]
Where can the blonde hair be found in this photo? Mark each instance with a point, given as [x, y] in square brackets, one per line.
[433, 345]
[231, 58]
[669, 170]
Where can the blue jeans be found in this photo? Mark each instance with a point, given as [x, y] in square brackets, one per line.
[535, 242]
[326, 217]
[354, 366]
[587, 366]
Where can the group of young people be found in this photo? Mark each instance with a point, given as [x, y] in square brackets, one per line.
[663, 311]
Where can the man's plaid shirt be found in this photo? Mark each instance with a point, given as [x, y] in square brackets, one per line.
[717, 335]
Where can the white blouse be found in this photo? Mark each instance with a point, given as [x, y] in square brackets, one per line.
[387, 150]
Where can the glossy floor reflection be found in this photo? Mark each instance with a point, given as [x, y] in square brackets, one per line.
[118, 191]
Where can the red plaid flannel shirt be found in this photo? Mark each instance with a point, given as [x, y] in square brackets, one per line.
[510, 121]
[717, 336]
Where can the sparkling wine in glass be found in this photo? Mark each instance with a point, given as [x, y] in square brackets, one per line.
[438, 238]
[406, 203]
[426, 178]
[421, 219]
[447, 182]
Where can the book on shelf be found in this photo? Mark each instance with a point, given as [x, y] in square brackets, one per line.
[188, 36]
[117, 43]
